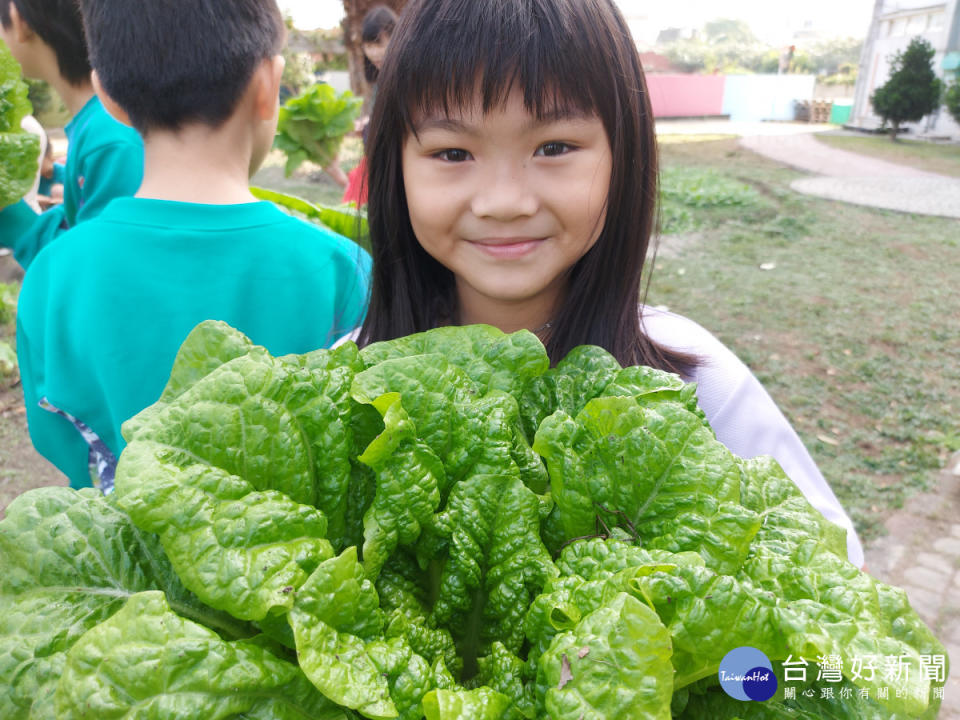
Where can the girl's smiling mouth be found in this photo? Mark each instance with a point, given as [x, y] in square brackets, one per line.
[508, 247]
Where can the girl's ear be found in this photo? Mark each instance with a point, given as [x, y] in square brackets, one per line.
[109, 104]
[267, 98]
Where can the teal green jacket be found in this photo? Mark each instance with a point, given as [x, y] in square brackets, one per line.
[105, 308]
[104, 161]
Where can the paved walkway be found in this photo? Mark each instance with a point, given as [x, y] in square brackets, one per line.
[921, 554]
[858, 179]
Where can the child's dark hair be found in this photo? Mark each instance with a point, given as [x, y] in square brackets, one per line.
[379, 21]
[58, 24]
[561, 54]
[175, 62]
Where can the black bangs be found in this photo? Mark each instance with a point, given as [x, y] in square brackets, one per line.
[490, 48]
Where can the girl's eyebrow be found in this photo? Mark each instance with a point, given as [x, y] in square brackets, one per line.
[460, 126]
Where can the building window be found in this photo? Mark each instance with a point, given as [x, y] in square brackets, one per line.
[899, 27]
[935, 21]
[916, 24]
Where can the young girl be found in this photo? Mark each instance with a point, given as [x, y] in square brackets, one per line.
[513, 182]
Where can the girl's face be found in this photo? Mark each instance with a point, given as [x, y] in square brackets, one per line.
[376, 50]
[508, 204]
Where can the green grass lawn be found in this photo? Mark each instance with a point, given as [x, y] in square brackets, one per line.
[846, 314]
[932, 157]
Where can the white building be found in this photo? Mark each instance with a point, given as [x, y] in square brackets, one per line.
[894, 24]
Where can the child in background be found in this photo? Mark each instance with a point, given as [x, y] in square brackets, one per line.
[50, 188]
[378, 26]
[513, 182]
[104, 309]
[31, 125]
[105, 158]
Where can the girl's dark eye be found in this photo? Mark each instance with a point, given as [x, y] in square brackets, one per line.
[455, 155]
[552, 149]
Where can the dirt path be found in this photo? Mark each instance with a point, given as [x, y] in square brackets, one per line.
[21, 467]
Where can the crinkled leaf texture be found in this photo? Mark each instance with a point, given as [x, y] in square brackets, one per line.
[614, 663]
[71, 560]
[440, 526]
[149, 658]
[19, 150]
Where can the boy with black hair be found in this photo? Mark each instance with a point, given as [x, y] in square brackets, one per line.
[104, 159]
[104, 310]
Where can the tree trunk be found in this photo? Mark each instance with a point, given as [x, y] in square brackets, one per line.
[893, 131]
[352, 27]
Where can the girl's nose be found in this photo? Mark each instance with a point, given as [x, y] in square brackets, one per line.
[505, 195]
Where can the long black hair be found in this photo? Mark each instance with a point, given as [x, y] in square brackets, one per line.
[379, 21]
[561, 54]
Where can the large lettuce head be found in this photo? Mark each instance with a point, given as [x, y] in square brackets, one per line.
[19, 150]
[440, 526]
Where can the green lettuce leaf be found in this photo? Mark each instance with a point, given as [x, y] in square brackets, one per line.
[201, 468]
[578, 378]
[335, 611]
[71, 560]
[312, 125]
[19, 150]
[239, 549]
[403, 590]
[479, 704]
[14, 104]
[346, 220]
[149, 660]
[652, 466]
[256, 471]
[506, 673]
[615, 663]
[408, 478]
[409, 676]
[491, 359]
[19, 153]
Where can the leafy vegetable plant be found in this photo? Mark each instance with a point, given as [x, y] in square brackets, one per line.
[347, 220]
[19, 150]
[438, 526]
[312, 125]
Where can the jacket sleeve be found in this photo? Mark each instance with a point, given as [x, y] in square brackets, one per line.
[26, 232]
[109, 172]
[52, 436]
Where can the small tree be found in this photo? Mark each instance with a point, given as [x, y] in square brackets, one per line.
[913, 89]
[952, 99]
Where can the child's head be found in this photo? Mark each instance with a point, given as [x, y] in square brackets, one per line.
[559, 70]
[181, 62]
[54, 23]
[378, 26]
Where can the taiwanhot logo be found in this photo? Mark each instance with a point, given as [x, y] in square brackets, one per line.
[747, 674]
